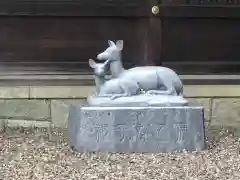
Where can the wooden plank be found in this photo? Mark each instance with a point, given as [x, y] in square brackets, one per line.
[153, 40]
[202, 69]
[153, 43]
[199, 46]
[202, 3]
[43, 45]
[199, 11]
[74, 8]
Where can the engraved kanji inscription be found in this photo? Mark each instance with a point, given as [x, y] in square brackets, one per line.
[160, 127]
[134, 131]
[181, 129]
[122, 132]
[101, 131]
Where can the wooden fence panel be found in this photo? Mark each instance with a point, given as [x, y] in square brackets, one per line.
[64, 45]
[200, 37]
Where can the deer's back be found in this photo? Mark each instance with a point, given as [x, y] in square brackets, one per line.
[151, 77]
[141, 73]
[146, 77]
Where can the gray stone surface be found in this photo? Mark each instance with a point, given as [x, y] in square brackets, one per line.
[60, 110]
[60, 91]
[2, 125]
[27, 124]
[14, 92]
[24, 109]
[225, 112]
[136, 129]
[139, 101]
[205, 102]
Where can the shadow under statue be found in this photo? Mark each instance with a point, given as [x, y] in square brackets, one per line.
[141, 109]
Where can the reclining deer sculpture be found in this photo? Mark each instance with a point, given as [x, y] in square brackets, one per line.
[153, 79]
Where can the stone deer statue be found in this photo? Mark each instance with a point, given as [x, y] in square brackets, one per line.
[100, 71]
[152, 79]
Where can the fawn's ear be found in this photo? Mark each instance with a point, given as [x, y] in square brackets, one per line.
[111, 43]
[92, 63]
[119, 44]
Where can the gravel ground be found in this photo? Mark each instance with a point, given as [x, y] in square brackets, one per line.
[31, 155]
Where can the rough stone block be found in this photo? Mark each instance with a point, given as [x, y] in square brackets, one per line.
[141, 100]
[205, 102]
[24, 109]
[27, 123]
[60, 110]
[136, 129]
[2, 125]
[14, 92]
[226, 112]
[60, 91]
[211, 91]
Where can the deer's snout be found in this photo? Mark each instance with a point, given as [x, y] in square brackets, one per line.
[101, 57]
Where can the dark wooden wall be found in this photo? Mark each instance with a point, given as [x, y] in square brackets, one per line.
[201, 37]
[59, 36]
[62, 45]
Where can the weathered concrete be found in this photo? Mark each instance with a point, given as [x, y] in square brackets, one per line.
[27, 123]
[136, 129]
[204, 91]
[60, 110]
[2, 125]
[24, 109]
[17, 106]
[60, 91]
[14, 92]
[137, 101]
[225, 112]
[205, 102]
[192, 91]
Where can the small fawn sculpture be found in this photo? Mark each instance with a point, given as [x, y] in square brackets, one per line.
[153, 79]
[100, 71]
[112, 88]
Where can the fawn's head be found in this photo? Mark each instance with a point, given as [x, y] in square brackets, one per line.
[113, 52]
[100, 69]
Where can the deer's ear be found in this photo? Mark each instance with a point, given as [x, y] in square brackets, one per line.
[111, 43]
[119, 44]
[92, 63]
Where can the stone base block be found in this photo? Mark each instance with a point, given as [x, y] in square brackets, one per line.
[136, 129]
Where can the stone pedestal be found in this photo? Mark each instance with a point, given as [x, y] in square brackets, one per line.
[136, 129]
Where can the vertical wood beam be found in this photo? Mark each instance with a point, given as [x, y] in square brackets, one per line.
[153, 37]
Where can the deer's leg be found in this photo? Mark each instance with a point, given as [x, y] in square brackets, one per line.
[115, 96]
[157, 92]
[125, 90]
[170, 90]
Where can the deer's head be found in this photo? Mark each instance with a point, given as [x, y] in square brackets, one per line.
[100, 69]
[113, 52]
